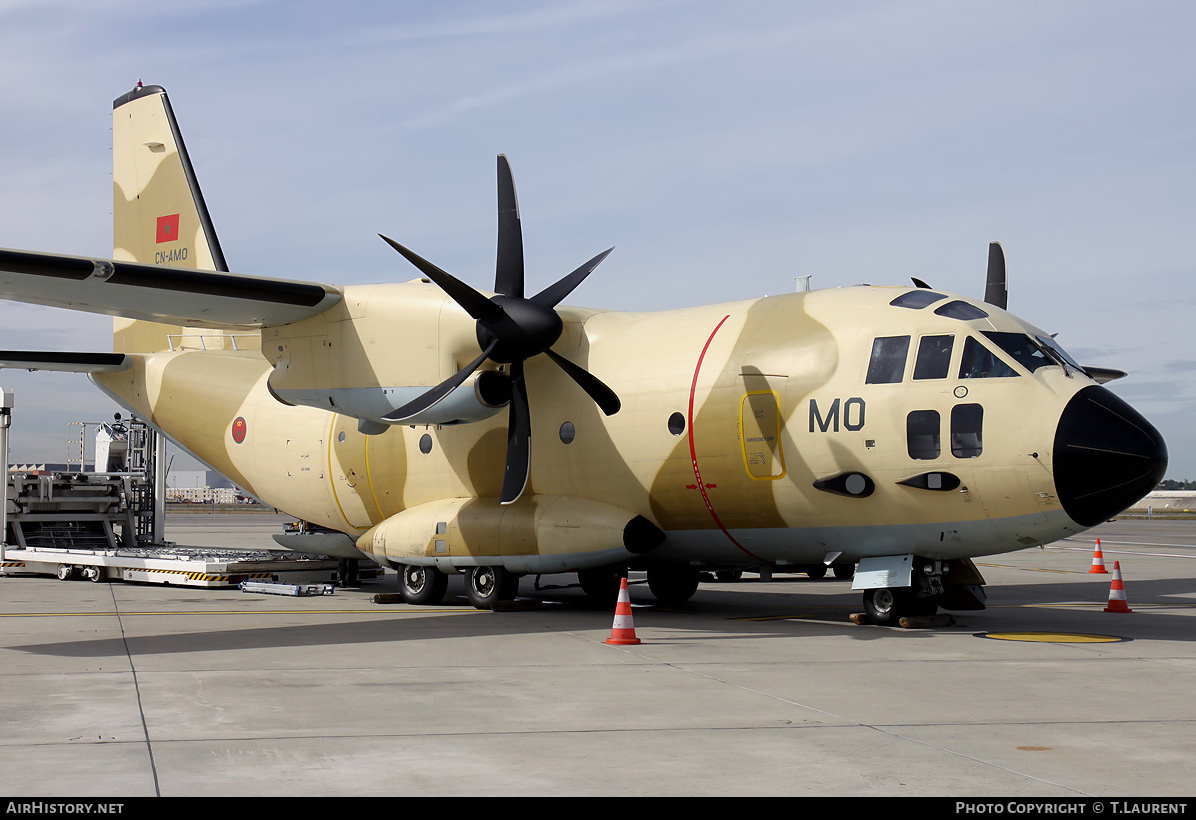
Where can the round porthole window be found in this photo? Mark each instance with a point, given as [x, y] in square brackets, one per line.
[425, 444]
[341, 437]
[568, 432]
[677, 424]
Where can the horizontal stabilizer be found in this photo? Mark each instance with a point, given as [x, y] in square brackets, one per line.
[67, 362]
[158, 293]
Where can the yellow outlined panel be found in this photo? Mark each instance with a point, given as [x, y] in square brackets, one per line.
[760, 435]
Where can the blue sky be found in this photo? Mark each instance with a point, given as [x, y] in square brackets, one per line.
[722, 148]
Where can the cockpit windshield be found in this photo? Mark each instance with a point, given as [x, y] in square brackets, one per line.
[1054, 348]
[1033, 352]
[1024, 350]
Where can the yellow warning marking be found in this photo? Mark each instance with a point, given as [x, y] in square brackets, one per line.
[1051, 637]
[437, 610]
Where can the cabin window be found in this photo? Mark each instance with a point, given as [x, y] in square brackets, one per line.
[677, 424]
[425, 444]
[917, 299]
[967, 430]
[922, 434]
[960, 310]
[981, 363]
[934, 357]
[887, 365]
[568, 432]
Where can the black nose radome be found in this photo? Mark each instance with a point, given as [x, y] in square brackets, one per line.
[1106, 456]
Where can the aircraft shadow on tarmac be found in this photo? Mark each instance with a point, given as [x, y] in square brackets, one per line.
[715, 613]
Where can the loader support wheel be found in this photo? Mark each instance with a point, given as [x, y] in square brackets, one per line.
[486, 586]
[94, 574]
[888, 606]
[673, 584]
[422, 586]
[65, 572]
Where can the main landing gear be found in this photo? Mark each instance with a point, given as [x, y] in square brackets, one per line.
[422, 586]
[484, 586]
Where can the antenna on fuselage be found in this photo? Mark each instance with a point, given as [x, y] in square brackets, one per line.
[802, 283]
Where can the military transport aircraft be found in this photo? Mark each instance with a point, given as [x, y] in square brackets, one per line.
[436, 428]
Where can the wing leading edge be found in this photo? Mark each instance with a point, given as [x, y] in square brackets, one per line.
[158, 293]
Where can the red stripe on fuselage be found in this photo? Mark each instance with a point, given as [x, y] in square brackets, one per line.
[693, 452]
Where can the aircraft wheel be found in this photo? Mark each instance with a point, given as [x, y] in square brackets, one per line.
[422, 586]
[673, 584]
[816, 572]
[600, 585]
[888, 606]
[486, 586]
[729, 575]
[844, 571]
[65, 572]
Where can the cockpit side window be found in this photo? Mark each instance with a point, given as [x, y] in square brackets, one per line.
[934, 357]
[981, 363]
[917, 299]
[887, 365]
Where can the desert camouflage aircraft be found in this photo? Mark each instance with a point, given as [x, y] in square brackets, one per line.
[899, 431]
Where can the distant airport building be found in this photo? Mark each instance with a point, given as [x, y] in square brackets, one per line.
[201, 487]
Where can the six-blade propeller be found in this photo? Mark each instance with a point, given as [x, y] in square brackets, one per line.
[511, 329]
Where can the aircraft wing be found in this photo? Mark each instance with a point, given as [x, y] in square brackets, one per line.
[157, 293]
[66, 362]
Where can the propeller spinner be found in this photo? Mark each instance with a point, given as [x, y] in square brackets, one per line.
[511, 329]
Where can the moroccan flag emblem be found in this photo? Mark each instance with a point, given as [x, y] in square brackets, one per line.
[168, 228]
[239, 430]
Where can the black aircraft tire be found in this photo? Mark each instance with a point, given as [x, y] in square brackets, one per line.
[600, 585]
[817, 573]
[422, 586]
[888, 606]
[486, 586]
[673, 585]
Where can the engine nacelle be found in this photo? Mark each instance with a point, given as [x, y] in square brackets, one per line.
[540, 535]
[479, 397]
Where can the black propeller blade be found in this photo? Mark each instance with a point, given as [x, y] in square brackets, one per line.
[511, 329]
[995, 289]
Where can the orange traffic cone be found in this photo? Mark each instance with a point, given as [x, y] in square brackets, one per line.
[1117, 592]
[1098, 561]
[623, 631]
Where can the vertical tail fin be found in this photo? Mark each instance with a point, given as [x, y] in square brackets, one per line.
[158, 213]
